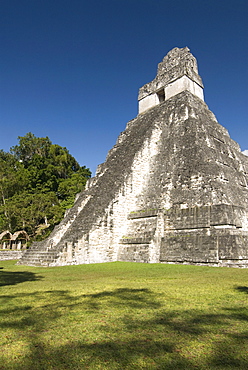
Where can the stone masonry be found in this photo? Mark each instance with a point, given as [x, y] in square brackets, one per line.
[173, 189]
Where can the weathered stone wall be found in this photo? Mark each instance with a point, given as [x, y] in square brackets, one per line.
[10, 255]
[206, 234]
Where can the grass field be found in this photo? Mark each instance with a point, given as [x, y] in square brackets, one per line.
[123, 316]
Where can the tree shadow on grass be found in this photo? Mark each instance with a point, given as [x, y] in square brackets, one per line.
[158, 340]
[135, 298]
[13, 278]
[243, 289]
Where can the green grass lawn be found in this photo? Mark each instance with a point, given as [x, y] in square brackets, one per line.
[123, 316]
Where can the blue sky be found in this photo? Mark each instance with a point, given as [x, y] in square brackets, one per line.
[71, 69]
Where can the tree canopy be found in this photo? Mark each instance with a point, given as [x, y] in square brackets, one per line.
[38, 182]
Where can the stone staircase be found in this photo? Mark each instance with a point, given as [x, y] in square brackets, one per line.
[36, 256]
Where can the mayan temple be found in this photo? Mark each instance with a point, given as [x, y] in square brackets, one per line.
[172, 189]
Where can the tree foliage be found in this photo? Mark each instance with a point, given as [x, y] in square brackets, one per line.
[38, 182]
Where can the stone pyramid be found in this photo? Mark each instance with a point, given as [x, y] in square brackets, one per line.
[173, 189]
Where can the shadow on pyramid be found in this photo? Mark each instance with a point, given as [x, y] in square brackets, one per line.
[173, 189]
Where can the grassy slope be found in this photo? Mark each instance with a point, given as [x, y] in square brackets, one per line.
[123, 316]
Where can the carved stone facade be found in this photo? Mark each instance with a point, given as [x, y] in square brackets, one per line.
[12, 246]
[17, 241]
[176, 73]
[173, 189]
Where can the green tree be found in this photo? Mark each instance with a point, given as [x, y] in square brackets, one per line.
[13, 179]
[38, 182]
[30, 210]
[29, 145]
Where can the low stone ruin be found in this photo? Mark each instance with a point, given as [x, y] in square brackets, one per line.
[12, 245]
